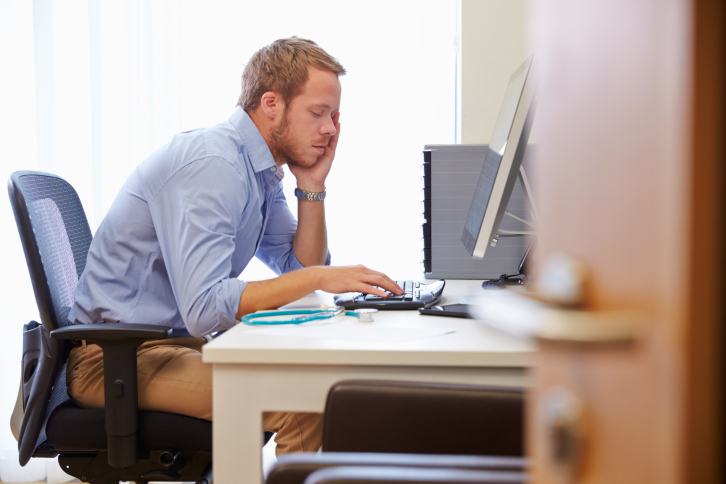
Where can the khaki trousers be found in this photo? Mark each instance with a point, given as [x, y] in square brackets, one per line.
[172, 378]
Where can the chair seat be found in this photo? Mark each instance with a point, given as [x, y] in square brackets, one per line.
[74, 428]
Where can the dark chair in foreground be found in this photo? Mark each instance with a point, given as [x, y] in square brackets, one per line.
[115, 443]
[410, 432]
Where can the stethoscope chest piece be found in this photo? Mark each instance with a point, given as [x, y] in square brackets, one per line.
[365, 315]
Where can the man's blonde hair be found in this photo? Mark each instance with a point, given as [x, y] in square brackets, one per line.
[282, 67]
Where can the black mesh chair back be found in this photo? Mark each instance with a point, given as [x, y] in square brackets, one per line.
[55, 237]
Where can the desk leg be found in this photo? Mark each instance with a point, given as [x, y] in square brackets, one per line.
[236, 431]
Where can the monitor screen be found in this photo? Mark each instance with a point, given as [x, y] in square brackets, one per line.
[501, 165]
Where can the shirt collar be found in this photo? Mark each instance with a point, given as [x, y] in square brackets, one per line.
[255, 145]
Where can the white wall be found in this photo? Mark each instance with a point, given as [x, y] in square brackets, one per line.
[494, 43]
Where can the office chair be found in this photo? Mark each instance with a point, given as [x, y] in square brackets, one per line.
[104, 445]
[409, 432]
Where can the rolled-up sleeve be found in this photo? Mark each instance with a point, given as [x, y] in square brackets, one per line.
[195, 215]
[276, 246]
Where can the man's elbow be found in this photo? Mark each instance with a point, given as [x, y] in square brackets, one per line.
[213, 309]
[201, 318]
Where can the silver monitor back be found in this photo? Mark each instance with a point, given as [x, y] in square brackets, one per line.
[501, 165]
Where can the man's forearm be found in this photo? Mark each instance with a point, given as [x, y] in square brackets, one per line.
[311, 239]
[273, 293]
[291, 286]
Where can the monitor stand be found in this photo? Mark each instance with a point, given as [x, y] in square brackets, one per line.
[518, 279]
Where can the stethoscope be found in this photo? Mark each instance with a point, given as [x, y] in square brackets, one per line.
[299, 316]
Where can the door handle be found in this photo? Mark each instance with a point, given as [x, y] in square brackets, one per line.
[554, 313]
[527, 318]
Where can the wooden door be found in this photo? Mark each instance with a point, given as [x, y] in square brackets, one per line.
[630, 122]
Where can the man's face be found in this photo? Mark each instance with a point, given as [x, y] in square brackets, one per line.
[306, 124]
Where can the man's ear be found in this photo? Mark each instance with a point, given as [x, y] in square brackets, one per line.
[271, 104]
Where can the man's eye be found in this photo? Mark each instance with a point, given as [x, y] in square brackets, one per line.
[316, 115]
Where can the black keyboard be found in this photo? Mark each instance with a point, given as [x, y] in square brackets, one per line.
[416, 295]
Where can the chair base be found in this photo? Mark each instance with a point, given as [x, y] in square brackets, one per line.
[157, 466]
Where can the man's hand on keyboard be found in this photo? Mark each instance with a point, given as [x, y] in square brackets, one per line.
[416, 295]
[356, 279]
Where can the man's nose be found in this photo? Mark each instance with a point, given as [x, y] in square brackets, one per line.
[329, 127]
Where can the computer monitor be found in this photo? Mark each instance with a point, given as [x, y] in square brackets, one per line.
[502, 166]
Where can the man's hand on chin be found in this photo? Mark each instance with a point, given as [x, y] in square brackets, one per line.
[312, 178]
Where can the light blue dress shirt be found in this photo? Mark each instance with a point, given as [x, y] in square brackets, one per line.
[182, 229]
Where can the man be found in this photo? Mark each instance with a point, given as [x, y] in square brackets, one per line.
[190, 218]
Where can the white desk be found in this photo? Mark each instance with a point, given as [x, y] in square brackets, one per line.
[291, 368]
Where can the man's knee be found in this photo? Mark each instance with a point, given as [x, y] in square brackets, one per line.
[295, 432]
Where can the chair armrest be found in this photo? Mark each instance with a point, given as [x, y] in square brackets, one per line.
[101, 332]
[119, 342]
[426, 418]
[295, 468]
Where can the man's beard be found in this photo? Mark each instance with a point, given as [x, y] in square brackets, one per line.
[282, 149]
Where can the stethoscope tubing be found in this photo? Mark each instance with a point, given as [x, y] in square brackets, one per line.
[300, 316]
